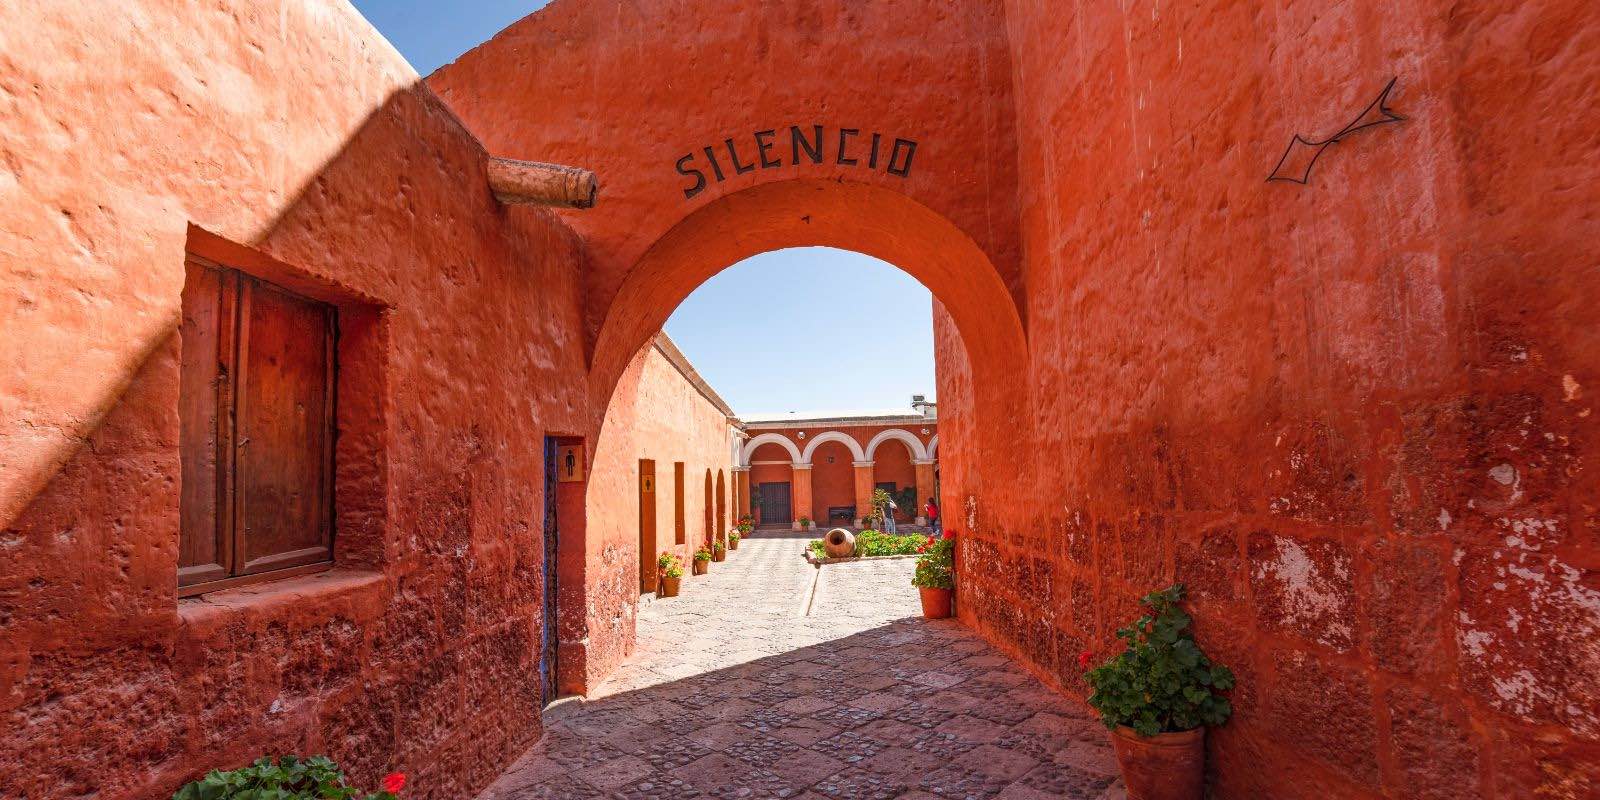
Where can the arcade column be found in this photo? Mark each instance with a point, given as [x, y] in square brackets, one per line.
[741, 492]
[863, 490]
[924, 467]
[800, 496]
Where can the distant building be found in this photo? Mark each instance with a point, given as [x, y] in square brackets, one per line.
[825, 465]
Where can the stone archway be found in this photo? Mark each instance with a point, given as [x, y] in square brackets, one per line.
[861, 217]
[845, 439]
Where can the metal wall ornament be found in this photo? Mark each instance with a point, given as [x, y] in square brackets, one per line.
[1302, 153]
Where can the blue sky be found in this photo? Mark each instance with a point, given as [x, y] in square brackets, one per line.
[807, 329]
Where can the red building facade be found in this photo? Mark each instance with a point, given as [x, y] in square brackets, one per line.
[824, 467]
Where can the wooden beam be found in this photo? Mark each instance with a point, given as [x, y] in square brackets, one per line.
[531, 182]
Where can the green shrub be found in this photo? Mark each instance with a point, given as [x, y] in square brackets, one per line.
[1161, 683]
[702, 554]
[875, 543]
[936, 565]
[287, 778]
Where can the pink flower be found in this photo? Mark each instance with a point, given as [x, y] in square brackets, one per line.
[1084, 658]
[394, 782]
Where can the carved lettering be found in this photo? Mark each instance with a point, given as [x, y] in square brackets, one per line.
[808, 145]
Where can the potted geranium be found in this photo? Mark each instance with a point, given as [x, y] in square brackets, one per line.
[719, 551]
[291, 778]
[671, 574]
[702, 560]
[935, 576]
[733, 539]
[805, 523]
[1157, 697]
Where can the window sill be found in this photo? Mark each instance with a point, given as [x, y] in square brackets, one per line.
[329, 592]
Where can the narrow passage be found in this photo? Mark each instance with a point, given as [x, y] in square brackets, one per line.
[735, 692]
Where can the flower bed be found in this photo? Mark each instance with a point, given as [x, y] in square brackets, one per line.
[871, 543]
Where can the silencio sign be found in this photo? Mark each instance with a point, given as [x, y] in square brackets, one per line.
[813, 144]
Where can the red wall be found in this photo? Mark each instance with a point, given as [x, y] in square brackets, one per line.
[1353, 417]
[833, 484]
[655, 413]
[299, 132]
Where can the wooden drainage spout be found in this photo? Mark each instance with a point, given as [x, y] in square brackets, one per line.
[531, 182]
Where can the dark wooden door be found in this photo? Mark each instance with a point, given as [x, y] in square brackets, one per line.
[775, 504]
[647, 525]
[547, 632]
[256, 411]
[284, 455]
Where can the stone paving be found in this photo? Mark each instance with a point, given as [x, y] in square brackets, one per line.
[770, 678]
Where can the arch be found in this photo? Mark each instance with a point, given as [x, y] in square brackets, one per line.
[911, 442]
[933, 446]
[865, 218]
[769, 438]
[833, 436]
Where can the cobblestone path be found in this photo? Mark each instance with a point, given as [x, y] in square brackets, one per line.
[735, 690]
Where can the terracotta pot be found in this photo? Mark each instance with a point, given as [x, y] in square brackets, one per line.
[1167, 766]
[719, 555]
[669, 586]
[700, 567]
[733, 544]
[935, 602]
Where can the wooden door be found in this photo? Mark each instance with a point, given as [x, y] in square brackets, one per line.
[775, 509]
[547, 631]
[256, 425]
[283, 450]
[647, 525]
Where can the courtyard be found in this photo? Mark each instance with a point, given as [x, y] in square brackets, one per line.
[771, 678]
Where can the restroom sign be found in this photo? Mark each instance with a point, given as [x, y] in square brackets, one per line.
[569, 463]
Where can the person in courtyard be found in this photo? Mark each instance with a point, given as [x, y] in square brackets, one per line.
[931, 512]
[888, 517]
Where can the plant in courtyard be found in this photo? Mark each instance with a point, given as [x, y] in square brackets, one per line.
[702, 554]
[936, 565]
[286, 778]
[880, 506]
[671, 566]
[1161, 683]
[745, 527]
[875, 543]
[805, 522]
[719, 548]
[733, 537]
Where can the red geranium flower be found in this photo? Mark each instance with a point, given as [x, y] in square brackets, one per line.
[1084, 658]
[394, 782]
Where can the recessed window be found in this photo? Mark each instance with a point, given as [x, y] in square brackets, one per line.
[257, 430]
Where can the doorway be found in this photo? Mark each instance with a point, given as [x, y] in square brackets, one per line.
[775, 508]
[547, 631]
[647, 525]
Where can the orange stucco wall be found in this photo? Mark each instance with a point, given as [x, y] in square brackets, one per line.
[298, 133]
[655, 414]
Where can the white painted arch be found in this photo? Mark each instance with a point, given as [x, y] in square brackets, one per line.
[846, 439]
[769, 438]
[910, 440]
[933, 446]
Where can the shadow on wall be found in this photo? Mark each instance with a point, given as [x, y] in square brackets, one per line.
[417, 651]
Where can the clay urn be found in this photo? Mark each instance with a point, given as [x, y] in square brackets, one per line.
[1167, 766]
[839, 543]
[669, 586]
